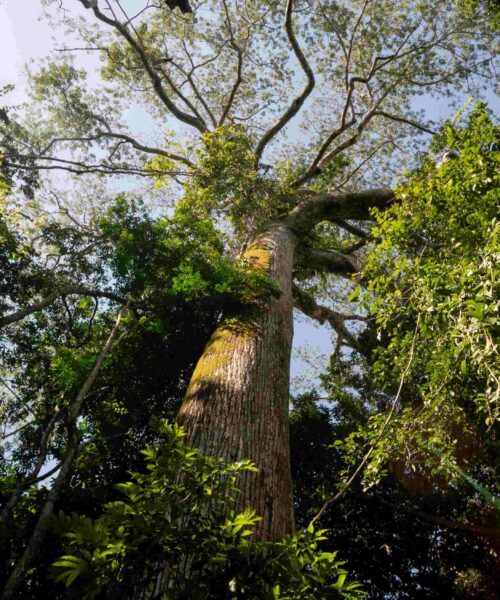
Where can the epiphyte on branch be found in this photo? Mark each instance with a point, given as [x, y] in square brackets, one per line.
[182, 5]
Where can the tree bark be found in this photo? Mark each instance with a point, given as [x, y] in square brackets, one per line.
[236, 405]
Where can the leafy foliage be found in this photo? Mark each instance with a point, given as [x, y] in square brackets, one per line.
[229, 72]
[182, 256]
[180, 281]
[432, 279]
[430, 450]
[411, 535]
[227, 187]
[180, 517]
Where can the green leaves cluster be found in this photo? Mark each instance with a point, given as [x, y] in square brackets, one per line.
[180, 517]
[371, 528]
[433, 282]
[182, 256]
[227, 186]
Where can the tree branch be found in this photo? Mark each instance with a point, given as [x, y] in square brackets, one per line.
[149, 68]
[33, 475]
[323, 157]
[192, 83]
[36, 540]
[80, 168]
[296, 105]
[400, 119]
[308, 305]
[479, 530]
[361, 233]
[52, 297]
[330, 261]
[332, 207]
[239, 78]
[362, 164]
[335, 497]
[119, 136]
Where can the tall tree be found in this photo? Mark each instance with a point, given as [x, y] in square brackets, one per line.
[234, 80]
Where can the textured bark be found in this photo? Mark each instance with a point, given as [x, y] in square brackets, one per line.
[236, 405]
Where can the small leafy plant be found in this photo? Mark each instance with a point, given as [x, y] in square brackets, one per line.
[179, 524]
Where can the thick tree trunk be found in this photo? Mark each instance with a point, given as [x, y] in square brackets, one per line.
[236, 405]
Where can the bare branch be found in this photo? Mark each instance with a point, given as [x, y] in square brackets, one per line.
[361, 164]
[80, 168]
[350, 84]
[239, 78]
[351, 40]
[296, 105]
[351, 228]
[22, 427]
[119, 136]
[192, 83]
[480, 530]
[323, 157]
[22, 313]
[308, 305]
[400, 119]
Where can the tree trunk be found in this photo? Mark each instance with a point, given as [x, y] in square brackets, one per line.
[236, 405]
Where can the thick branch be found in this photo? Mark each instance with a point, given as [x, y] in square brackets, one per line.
[330, 261]
[332, 207]
[52, 297]
[296, 105]
[307, 304]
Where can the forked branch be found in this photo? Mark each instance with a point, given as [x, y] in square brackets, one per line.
[308, 305]
[22, 313]
[103, 135]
